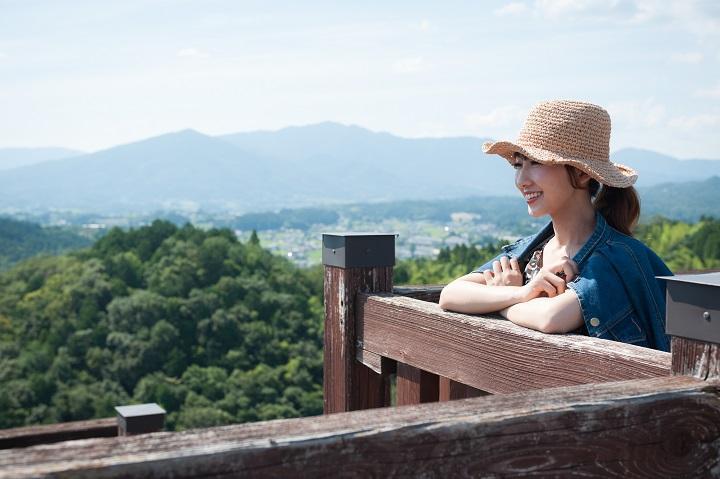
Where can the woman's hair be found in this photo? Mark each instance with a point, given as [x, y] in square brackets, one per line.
[619, 206]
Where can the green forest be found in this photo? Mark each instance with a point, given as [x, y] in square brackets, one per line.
[215, 330]
[22, 239]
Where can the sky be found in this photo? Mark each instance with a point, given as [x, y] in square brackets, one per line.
[92, 74]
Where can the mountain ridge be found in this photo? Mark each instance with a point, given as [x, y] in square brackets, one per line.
[309, 165]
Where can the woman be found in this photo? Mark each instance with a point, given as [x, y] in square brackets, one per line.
[583, 272]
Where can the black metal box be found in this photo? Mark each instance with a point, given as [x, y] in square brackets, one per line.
[140, 419]
[693, 306]
[358, 250]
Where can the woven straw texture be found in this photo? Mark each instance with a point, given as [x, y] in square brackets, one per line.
[566, 132]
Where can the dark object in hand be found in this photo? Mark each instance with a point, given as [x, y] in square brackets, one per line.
[560, 274]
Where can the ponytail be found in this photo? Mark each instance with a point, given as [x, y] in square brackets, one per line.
[619, 206]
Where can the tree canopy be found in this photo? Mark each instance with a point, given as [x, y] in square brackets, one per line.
[215, 330]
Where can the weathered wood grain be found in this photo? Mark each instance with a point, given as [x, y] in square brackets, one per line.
[348, 385]
[415, 386]
[451, 390]
[691, 357]
[50, 433]
[661, 427]
[429, 292]
[492, 354]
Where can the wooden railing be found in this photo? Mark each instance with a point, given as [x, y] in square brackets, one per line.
[552, 405]
[372, 335]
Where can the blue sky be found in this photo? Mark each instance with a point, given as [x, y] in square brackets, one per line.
[93, 74]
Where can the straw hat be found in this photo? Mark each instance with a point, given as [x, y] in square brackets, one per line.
[564, 132]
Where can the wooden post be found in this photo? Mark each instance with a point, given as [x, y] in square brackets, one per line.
[693, 321]
[415, 386]
[451, 390]
[354, 262]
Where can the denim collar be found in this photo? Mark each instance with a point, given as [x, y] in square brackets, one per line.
[589, 246]
[586, 250]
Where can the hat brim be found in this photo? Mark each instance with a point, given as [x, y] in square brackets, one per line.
[606, 172]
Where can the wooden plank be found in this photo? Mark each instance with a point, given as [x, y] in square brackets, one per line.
[369, 359]
[691, 357]
[451, 390]
[50, 433]
[429, 292]
[415, 386]
[662, 427]
[347, 384]
[492, 354]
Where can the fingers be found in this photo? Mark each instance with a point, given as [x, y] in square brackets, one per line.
[556, 281]
[566, 268]
[544, 285]
[489, 280]
[505, 263]
[514, 264]
[497, 268]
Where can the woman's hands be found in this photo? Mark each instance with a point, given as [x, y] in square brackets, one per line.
[550, 281]
[506, 272]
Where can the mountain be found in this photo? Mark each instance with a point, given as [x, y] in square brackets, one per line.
[179, 169]
[655, 168]
[686, 201]
[353, 163]
[17, 157]
[315, 165]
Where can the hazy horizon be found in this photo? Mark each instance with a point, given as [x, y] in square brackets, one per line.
[80, 152]
[87, 76]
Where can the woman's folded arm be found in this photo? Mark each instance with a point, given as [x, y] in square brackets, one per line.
[559, 314]
[470, 294]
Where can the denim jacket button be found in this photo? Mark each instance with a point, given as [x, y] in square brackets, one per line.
[594, 322]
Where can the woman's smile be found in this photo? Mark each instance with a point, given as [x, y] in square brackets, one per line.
[532, 196]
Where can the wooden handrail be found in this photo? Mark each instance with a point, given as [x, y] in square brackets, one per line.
[662, 427]
[489, 352]
[50, 433]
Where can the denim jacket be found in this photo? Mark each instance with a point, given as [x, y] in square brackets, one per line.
[620, 297]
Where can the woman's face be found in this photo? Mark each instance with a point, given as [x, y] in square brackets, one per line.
[546, 188]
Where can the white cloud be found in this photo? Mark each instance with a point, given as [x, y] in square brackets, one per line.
[504, 118]
[687, 57]
[599, 9]
[190, 53]
[693, 122]
[513, 8]
[713, 92]
[425, 25]
[410, 65]
[640, 114]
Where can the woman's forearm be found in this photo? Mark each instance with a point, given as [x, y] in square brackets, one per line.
[470, 297]
[532, 314]
[559, 314]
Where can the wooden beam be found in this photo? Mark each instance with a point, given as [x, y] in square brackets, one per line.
[492, 354]
[430, 292]
[415, 386]
[50, 433]
[662, 427]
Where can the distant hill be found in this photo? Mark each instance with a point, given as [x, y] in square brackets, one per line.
[21, 239]
[180, 170]
[655, 168]
[310, 166]
[17, 157]
[686, 201]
